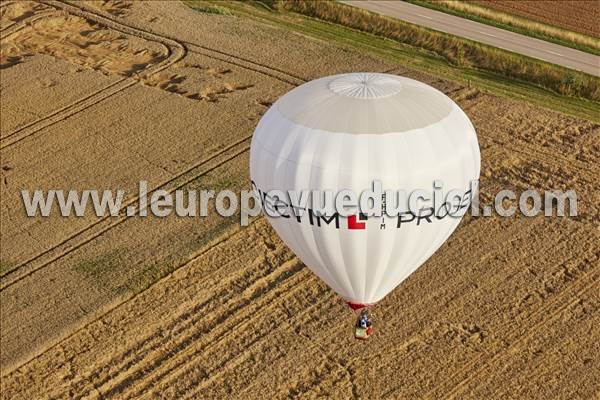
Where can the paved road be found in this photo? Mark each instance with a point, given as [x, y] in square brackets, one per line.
[554, 53]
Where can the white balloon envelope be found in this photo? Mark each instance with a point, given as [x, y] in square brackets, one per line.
[344, 132]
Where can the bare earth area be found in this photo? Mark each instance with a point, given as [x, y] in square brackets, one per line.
[576, 15]
[101, 95]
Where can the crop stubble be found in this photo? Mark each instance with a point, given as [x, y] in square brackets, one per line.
[245, 317]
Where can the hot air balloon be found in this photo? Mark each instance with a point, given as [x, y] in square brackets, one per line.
[344, 132]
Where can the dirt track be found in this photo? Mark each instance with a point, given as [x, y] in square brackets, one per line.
[515, 42]
[507, 308]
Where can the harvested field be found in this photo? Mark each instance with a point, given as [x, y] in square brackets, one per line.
[577, 15]
[16, 11]
[130, 307]
[81, 42]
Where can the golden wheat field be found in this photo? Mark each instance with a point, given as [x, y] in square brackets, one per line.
[106, 94]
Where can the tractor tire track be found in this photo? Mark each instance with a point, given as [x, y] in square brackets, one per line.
[145, 347]
[185, 326]
[64, 248]
[548, 158]
[180, 51]
[64, 113]
[590, 283]
[195, 383]
[182, 366]
[174, 53]
[241, 62]
[177, 50]
[220, 241]
[148, 344]
[204, 51]
[250, 62]
[557, 305]
[283, 280]
[17, 26]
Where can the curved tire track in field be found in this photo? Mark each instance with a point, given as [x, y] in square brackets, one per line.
[16, 26]
[180, 51]
[224, 57]
[97, 97]
[273, 72]
[174, 50]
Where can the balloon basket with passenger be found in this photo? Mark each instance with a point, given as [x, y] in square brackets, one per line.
[363, 329]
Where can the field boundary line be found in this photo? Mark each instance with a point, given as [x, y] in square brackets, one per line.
[169, 61]
[256, 63]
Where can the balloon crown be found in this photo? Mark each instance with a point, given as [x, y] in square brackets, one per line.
[366, 85]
